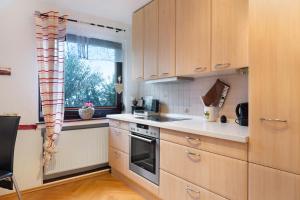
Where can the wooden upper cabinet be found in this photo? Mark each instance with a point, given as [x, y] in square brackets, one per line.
[166, 38]
[229, 34]
[193, 36]
[151, 41]
[275, 84]
[138, 44]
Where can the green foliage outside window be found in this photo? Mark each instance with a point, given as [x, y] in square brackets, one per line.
[83, 84]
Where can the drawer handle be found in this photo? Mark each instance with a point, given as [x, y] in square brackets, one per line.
[273, 120]
[193, 140]
[200, 69]
[188, 189]
[164, 74]
[222, 66]
[139, 78]
[193, 154]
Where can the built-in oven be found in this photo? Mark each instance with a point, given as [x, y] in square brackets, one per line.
[144, 151]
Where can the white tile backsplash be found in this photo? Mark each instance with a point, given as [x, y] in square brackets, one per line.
[184, 97]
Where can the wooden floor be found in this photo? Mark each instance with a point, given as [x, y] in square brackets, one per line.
[103, 187]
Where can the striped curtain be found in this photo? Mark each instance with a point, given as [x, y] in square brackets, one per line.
[50, 37]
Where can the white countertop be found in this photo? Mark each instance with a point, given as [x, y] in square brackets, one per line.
[195, 125]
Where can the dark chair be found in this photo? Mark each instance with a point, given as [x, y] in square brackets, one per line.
[8, 134]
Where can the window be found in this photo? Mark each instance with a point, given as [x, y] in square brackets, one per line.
[92, 67]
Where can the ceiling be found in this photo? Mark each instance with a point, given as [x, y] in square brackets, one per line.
[117, 10]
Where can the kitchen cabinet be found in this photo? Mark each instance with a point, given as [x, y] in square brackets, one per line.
[138, 45]
[193, 36]
[166, 38]
[117, 160]
[229, 34]
[222, 147]
[275, 84]
[118, 139]
[219, 174]
[174, 188]
[151, 40]
[271, 184]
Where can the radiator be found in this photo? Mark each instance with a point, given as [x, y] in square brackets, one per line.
[79, 147]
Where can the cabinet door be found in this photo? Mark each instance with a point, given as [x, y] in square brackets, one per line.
[166, 38]
[151, 41]
[275, 84]
[222, 175]
[229, 34]
[138, 44]
[117, 160]
[193, 35]
[270, 184]
[174, 188]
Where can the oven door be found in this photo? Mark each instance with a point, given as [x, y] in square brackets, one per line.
[144, 156]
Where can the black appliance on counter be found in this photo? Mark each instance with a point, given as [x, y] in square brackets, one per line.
[136, 108]
[144, 151]
[151, 107]
[242, 114]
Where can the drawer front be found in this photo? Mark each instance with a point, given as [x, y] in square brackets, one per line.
[117, 160]
[222, 175]
[119, 124]
[118, 139]
[218, 146]
[271, 184]
[174, 188]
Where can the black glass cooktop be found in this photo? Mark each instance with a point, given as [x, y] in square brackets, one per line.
[159, 118]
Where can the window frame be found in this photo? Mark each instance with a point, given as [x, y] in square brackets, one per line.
[100, 112]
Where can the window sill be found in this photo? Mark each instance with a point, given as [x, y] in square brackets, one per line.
[78, 122]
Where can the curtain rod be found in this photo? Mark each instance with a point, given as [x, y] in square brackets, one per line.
[83, 22]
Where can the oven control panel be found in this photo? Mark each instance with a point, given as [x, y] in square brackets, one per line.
[144, 130]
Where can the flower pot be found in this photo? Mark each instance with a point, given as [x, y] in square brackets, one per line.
[86, 113]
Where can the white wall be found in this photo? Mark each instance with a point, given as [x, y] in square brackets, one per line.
[19, 92]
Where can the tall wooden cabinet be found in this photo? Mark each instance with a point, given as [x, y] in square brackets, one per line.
[193, 35]
[275, 84]
[166, 38]
[229, 34]
[274, 99]
[138, 44]
[151, 40]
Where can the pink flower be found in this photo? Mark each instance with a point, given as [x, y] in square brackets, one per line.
[88, 104]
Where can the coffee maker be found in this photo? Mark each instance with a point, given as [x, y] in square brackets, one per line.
[242, 114]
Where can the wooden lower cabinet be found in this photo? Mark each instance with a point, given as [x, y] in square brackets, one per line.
[117, 160]
[119, 124]
[223, 147]
[271, 184]
[174, 188]
[118, 139]
[222, 175]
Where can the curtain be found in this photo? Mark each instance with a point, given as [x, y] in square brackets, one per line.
[94, 48]
[50, 37]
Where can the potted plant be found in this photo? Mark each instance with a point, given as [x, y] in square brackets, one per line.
[87, 111]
